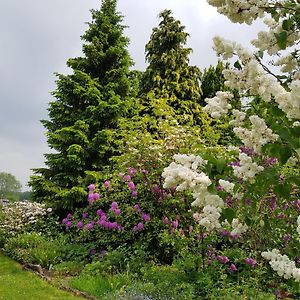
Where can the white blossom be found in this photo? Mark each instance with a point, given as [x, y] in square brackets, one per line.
[258, 136]
[226, 185]
[284, 267]
[247, 169]
[239, 118]
[218, 105]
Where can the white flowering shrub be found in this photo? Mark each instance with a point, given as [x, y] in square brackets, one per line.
[20, 215]
[247, 192]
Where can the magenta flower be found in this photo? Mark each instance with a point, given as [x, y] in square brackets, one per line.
[250, 262]
[146, 217]
[99, 212]
[96, 196]
[131, 171]
[117, 211]
[175, 224]
[232, 268]
[222, 259]
[68, 224]
[137, 207]
[79, 224]
[91, 187]
[107, 184]
[64, 221]
[138, 227]
[144, 171]
[134, 194]
[84, 215]
[126, 178]
[114, 205]
[90, 226]
[131, 185]
[166, 220]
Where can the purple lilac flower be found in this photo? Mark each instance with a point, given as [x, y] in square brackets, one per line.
[297, 205]
[134, 194]
[146, 217]
[281, 216]
[251, 262]
[131, 171]
[144, 171]
[126, 178]
[69, 216]
[156, 189]
[131, 185]
[272, 203]
[248, 151]
[175, 224]
[234, 164]
[93, 252]
[247, 202]
[84, 215]
[225, 233]
[285, 206]
[79, 224]
[271, 161]
[286, 238]
[232, 268]
[91, 187]
[166, 220]
[222, 259]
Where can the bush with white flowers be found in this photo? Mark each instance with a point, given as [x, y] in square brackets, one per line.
[18, 215]
[248, 190]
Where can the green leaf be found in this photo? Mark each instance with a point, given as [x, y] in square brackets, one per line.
[281, 39]
[229, 214]
[287, 24]
[283, 190]
[237, 65]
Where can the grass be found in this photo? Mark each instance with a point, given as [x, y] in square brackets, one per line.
[17, 284]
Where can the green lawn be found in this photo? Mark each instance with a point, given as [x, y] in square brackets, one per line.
[17, 284]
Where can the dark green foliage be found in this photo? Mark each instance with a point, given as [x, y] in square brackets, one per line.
[84, 115]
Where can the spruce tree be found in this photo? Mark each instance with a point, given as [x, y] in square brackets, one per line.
[85, 114]
[170, 87]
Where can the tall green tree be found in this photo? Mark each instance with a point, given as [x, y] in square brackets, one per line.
[85, 114]
[10, 187]
[170, 86]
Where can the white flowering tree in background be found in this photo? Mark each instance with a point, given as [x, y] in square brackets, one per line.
[251, 193]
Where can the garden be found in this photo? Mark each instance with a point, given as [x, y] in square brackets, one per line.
[172, 183]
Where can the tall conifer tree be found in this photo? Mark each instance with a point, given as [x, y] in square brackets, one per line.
[88, 104]
[170, 86]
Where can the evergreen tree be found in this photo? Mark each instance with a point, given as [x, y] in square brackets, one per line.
[170, 86]
[84, 115]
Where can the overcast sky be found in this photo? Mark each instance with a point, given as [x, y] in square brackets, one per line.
[38, 36]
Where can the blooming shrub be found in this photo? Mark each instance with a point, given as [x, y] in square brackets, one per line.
[246, 192]
[20, 215]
